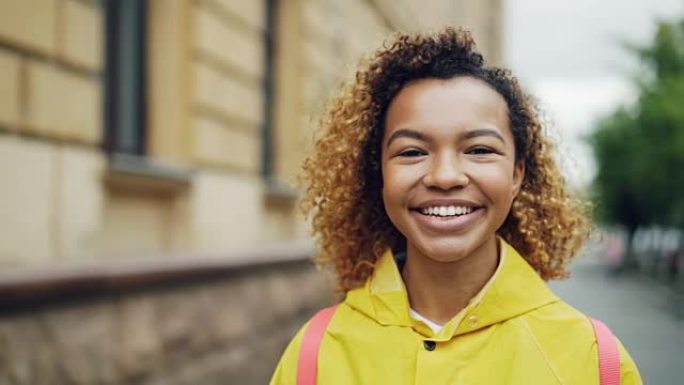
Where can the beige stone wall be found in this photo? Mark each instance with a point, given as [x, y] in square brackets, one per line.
[30, 23]
[50, 127]
[223, 331]
[485, 19]
[47, 47]
[26, 211]
[321, 43]
[228, 68]
[206, 108]
[10, 66]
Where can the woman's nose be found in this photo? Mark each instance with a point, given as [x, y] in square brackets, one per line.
[446, 172]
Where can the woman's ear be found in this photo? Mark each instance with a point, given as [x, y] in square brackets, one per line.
[518, 177]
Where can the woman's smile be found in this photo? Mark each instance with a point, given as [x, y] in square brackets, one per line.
[447, 215]
[449, 224]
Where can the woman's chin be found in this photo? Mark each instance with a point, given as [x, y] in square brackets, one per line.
[448, 250]
[445, 253]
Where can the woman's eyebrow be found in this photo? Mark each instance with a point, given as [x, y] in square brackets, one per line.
[482, 132]
[405, 133]
[408, 133]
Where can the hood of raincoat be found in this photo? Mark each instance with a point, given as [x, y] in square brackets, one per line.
[515, 288]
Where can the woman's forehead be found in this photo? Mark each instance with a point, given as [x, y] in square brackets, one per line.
[461, 103]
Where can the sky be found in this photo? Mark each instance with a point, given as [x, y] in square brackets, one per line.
[570, 55]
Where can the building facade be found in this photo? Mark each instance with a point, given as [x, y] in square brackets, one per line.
[139, 127]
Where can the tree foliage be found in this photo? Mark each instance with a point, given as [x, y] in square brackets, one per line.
[639, 148]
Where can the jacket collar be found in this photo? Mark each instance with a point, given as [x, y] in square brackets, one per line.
[514, 289]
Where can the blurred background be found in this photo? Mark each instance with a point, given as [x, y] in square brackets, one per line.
[149, 228]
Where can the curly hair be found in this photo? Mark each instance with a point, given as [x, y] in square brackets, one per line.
[343, 177]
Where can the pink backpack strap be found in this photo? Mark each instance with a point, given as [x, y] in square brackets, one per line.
[608, 354]
[307, 367]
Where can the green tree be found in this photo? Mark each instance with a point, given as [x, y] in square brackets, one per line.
[639, 148]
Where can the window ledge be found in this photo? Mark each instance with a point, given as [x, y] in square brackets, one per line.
[279, 192]
[144, 175]
[23, 288]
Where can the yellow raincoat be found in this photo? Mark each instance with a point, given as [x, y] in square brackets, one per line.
[515, 331]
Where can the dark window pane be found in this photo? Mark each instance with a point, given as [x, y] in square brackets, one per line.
[269, 89]
[125, 76]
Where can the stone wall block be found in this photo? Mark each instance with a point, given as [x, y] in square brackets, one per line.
[81, 117]
[81, 202]
[219, 220]
[25, 208]
[203, 307]
[236, 47]
[9, 84]
[82, 40]
[175, 322]
[216, 368]
[63, 104]
[182, 321]
[229, 96]
[256, 303]
[139, 342]
[17, 337]
[215, 143]
[253, 12]
[229, 320]
[320, 287]
[284, 295]
[45, 92]
[84, 340]
[30, 24]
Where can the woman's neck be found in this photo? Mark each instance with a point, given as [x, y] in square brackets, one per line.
[439, 290]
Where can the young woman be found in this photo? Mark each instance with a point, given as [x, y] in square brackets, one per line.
[434, 194]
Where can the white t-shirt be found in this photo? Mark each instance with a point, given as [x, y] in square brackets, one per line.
[433, 325]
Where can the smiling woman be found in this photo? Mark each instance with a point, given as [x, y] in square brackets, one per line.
[434, 194]
[448, 186]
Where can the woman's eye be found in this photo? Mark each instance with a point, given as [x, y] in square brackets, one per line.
[480, 151]
[411, 153]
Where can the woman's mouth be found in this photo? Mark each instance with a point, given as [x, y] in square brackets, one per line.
[447, 219]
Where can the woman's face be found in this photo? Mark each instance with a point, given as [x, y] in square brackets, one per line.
[448, 166]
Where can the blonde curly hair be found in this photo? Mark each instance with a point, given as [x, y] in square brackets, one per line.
[343, 177]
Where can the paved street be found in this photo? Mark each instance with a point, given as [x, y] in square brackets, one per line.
[645, 315]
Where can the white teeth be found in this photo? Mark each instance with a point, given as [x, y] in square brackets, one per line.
[444, 211]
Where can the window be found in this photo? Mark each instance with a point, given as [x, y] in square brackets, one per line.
[125, 96]
[269, 91]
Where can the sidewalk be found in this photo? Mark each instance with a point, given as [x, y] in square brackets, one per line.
[647, 316]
